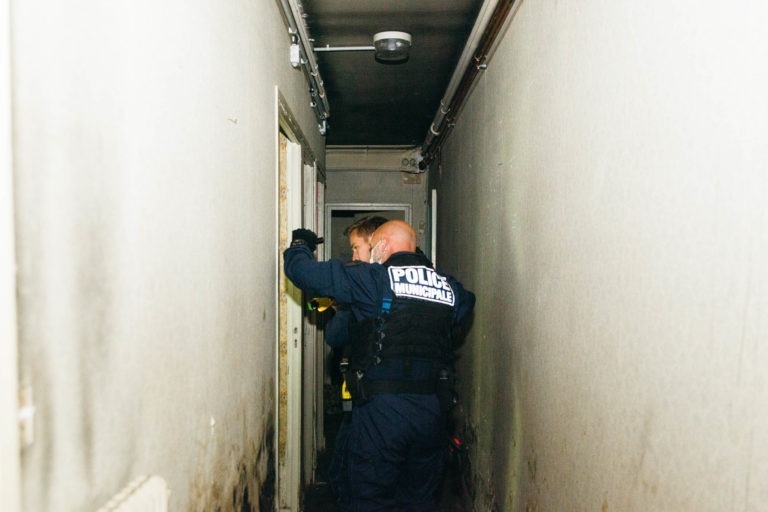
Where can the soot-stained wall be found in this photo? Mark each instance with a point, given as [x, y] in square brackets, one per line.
[145, 186]
[611, 169]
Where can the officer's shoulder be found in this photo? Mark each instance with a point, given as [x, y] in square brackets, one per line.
[354, 263]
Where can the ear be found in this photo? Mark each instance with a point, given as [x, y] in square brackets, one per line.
[384, 248]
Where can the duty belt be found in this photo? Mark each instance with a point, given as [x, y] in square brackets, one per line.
[381, 387]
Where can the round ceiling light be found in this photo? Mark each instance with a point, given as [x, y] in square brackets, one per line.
[392, 46]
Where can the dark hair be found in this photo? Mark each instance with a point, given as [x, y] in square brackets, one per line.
[366, 225]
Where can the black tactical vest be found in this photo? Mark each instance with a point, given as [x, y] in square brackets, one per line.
[414, 323]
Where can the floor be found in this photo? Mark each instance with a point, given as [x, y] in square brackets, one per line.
[320, 498]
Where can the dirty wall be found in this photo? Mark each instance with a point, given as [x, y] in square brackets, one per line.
[144, 137]
[603, 193]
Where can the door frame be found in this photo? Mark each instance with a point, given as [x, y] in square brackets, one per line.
[406, 208]
[296, 395]
[288, 333]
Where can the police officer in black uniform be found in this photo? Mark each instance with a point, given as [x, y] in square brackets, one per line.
[404, 312]
[337, 336]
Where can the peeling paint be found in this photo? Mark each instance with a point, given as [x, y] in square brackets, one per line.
[282, 385]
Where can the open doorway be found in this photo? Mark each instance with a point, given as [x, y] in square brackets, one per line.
[340, 215]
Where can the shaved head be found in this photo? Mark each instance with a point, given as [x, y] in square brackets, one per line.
[391, 237]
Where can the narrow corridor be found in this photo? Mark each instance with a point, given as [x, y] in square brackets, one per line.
[599, 182]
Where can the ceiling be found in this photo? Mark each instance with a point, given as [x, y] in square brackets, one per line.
[374, 104]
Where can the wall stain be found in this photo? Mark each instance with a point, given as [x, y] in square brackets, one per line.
[246, 484]
[267, 489]
[532, 500]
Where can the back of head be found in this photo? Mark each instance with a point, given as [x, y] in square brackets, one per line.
[365, 226]
[394, 236]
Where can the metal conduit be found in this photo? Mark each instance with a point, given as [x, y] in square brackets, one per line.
[298, 32]
[328, 48]
[490, 20]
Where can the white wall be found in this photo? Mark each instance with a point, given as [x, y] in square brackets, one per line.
[604, 194]
[144, 136]
[9, 396]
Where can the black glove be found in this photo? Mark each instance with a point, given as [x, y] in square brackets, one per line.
[305, 237]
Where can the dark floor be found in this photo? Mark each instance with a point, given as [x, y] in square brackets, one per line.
[320, 498]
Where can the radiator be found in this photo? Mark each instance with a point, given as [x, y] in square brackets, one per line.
[144, 494]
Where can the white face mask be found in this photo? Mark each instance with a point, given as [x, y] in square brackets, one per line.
[374, 257]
